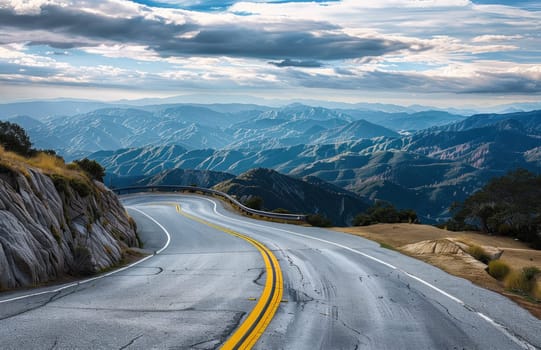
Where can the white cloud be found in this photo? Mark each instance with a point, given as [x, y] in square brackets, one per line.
[135, 52]
[490, 38]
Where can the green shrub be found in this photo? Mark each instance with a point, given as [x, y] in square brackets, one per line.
[14, 138]
[318, 220]
[479, 254]
[517, 282]
[60, 183]
[530, 272]
[281, 211]
[92, 168]
[362, 220]
[254, 202]
[81, 187]
[498, 269]
[524, 281]
[383, 212]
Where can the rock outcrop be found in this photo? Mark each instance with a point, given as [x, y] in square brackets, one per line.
[51, 225]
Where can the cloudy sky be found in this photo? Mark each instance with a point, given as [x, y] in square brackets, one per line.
[441, 52]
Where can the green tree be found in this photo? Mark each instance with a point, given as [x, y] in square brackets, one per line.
[318, 220]
[254, 202]
[14, 138]
[508, 205]
[384, 212]
[94, 169]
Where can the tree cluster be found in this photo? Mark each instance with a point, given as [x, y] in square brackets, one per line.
[385, 213]
[254, 202]
[92, 168]
[14, 139]
[509, 205]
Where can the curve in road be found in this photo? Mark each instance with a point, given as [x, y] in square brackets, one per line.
[259, 318]
[343, 292]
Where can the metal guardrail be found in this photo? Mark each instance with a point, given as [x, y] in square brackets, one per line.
[242, 207]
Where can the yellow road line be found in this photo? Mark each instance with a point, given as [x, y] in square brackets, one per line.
[261, 315]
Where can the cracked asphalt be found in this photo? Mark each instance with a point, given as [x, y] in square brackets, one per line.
[340, 292]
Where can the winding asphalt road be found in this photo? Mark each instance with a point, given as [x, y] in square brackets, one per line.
[339, 292]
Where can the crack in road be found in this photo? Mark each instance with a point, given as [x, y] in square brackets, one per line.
[40, 305]
[131, 342]
[232, 326]
[261, 274]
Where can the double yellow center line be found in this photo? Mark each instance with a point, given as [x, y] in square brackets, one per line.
[261, 315]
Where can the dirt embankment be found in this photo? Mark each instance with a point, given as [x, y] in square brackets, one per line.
[449, 251]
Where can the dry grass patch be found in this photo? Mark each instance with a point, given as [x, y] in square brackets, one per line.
[450, 251]
[47, 163]
[498, 269]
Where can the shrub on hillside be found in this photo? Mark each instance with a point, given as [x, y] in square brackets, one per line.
[383, 212]
[92, 168]
[254, 202]
[318, 220]
[498, 269]
[479, 254]
[14, 138]
[509, 205]
[523, 281]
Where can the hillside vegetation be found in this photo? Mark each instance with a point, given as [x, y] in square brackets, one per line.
[509, 205]
[276, 191]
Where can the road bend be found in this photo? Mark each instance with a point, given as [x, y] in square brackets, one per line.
[202, 288]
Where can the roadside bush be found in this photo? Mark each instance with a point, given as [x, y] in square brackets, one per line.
[498, 269]
[318, 220]
[254, 202]
[523, 281]
[479, 254]
[385, 213]
[362, 220]
[530, 272]
[92, 168]
[517, 282]
[281, 211]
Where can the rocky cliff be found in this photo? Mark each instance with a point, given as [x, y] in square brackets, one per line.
[53, 225]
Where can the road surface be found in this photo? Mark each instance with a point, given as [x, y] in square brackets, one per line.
[339, 292]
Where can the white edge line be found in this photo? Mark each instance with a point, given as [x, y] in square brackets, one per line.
[101, 276]
[521, 342]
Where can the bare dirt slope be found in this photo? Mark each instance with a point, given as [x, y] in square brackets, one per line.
[448, 251]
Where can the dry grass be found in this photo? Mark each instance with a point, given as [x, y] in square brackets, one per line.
[479, 253]
[517, 255]
[47, 163]
[498, 269]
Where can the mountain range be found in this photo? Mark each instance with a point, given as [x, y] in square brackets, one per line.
[422, 160]
[308, 195]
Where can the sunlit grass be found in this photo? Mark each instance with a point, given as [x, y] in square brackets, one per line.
[47, 163]
[63, 175]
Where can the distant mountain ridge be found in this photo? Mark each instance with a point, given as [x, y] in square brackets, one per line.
[424, 159]
[307, 195]
[425, 171]
[200, 127]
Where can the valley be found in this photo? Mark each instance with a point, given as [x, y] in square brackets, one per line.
[423, 160]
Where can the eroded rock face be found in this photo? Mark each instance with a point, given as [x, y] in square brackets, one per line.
[51, 228]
